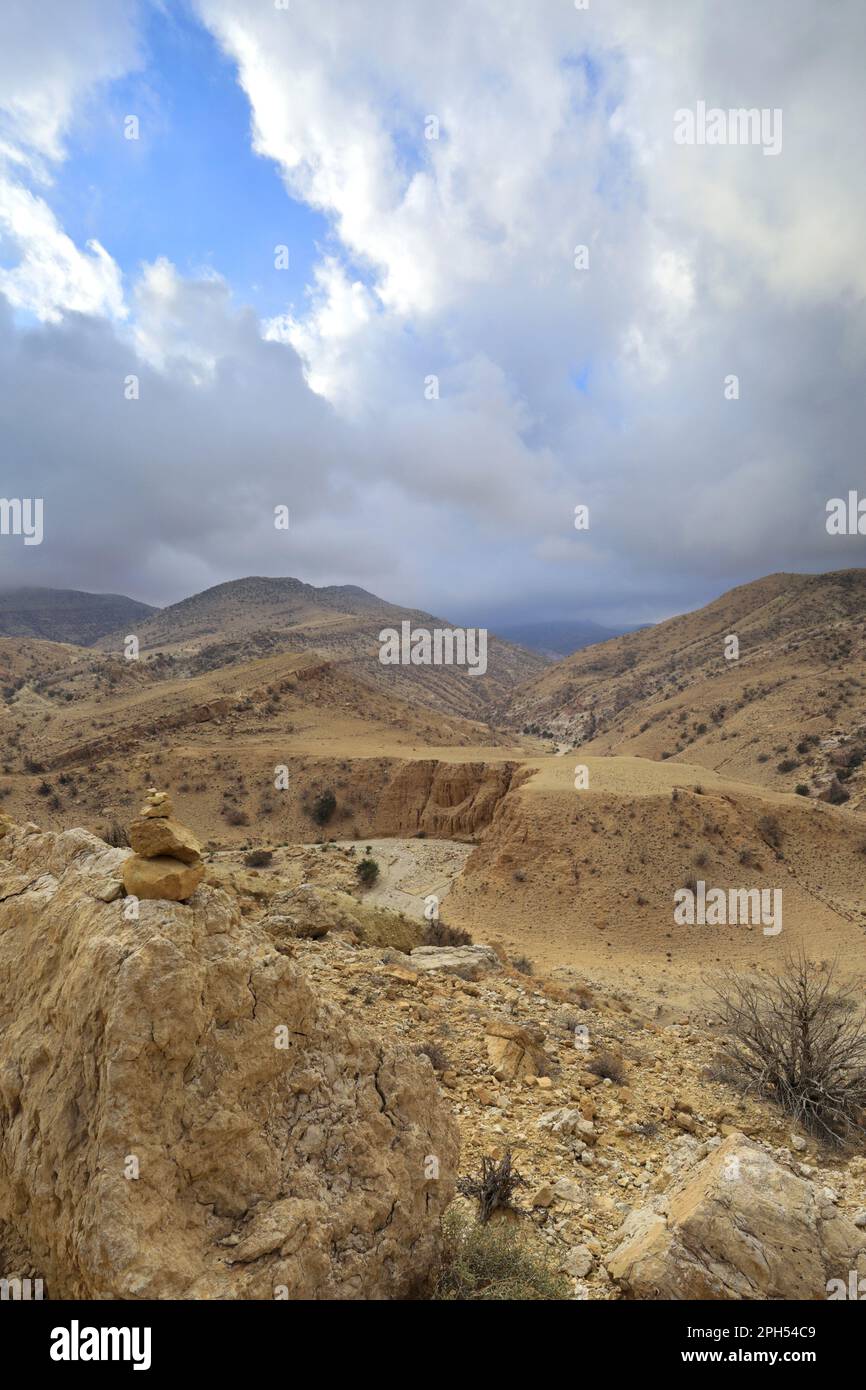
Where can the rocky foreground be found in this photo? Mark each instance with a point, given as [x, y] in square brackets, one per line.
[259, 1093]
[184, 1115]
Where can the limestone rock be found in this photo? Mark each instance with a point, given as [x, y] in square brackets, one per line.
[568, 1123]
[578, 1262]
[154, 837]
[514, 1052]
[739, 1226]
[165, 878]
[156, 804]
[282, 1148]
[6, 824]
[473, 961]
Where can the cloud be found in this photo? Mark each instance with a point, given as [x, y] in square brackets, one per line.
[52, 274]
[53, 55]
[455, 258]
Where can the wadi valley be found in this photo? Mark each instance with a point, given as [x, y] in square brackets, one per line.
[508, 982]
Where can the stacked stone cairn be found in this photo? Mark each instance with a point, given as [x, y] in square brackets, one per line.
[167, 860]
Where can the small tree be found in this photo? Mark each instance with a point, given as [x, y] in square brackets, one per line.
[799, 1039]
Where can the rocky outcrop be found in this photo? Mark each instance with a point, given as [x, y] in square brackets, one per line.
[741, 1226]
[167, 859]
[469, 962]
[446, 799]
[515, 1052]
[182, 1117]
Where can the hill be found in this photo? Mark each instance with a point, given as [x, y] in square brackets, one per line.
[787, 712]
[67, 615]
[248, 618]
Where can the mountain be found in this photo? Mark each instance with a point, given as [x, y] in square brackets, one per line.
[255, 617]
[788, 712]
[558, 638]
[67, 615]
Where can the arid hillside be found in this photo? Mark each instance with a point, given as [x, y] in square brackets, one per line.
[253, 617]
[788, 712]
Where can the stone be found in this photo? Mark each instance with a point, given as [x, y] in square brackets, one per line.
[108, 891]
[543, 1197]
[739, 1225]
[567, 1122]
[284, 1148]
[453, 960]
[515, 1052]
[165, 878]
[569, 1191]
[156, 804]
[798, 1143]
[6, 824]
[578, 1262]
[156, 837]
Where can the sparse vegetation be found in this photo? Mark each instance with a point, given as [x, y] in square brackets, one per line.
[258, 858]
[493, 1187]
[116, 836]
[438, 933]
[499, 1262]
[436, 1056]
[607, 1065]
[324, 807]
[799, 1039]
[367, 872]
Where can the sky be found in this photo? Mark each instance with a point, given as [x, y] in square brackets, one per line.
[338, 270]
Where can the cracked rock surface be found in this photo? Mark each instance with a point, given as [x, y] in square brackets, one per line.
[183, 1116]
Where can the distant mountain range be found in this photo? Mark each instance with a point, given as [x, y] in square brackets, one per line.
[556, 639]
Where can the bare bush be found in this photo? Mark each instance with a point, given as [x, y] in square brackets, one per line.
[608, 1065]
[115, 835]
[440, 934]
[799, 1038]
[494, 1186]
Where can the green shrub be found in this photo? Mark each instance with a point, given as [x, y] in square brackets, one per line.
[324, 807]
[367, 872]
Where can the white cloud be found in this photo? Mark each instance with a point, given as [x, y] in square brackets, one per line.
[52, 55]
[53, 275]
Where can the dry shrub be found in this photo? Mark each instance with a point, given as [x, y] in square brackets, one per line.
[608, 1066]
[493, 1187]
[115, 835]
[799, 1039]
[496, 1263]
[258, 858]
[436, 1056]
[440, 934]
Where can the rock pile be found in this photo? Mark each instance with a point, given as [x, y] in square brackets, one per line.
[167, 859]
